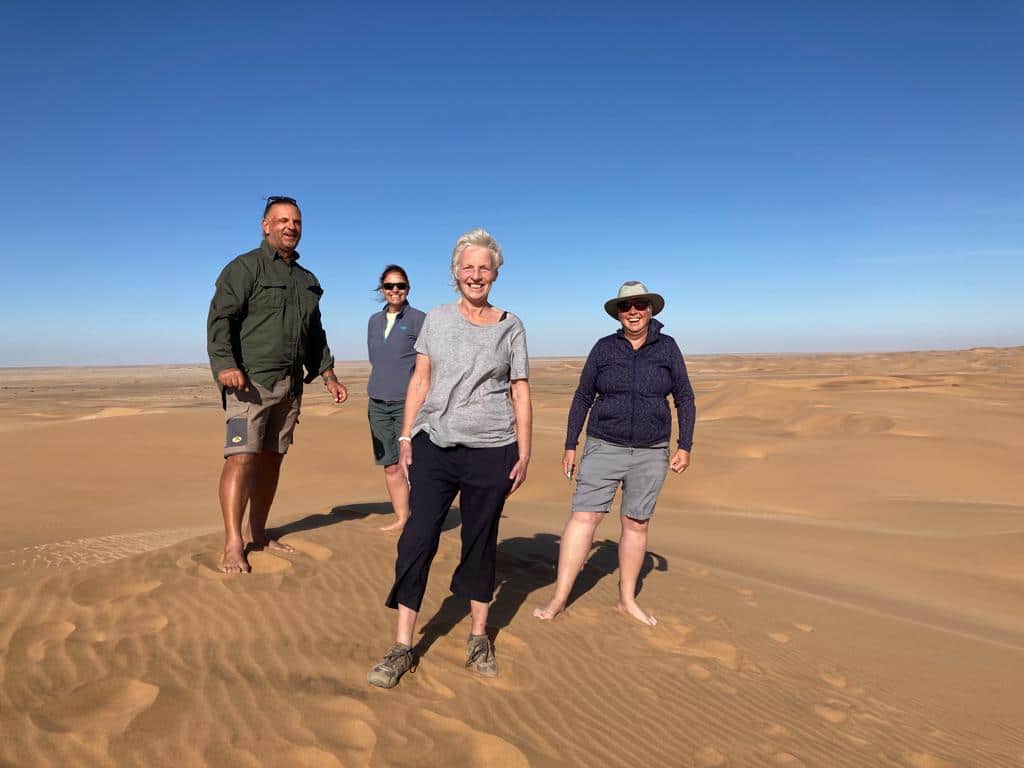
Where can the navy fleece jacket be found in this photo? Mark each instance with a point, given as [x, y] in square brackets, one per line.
[625, 392]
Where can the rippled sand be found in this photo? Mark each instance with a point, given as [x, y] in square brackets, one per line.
[838, 580]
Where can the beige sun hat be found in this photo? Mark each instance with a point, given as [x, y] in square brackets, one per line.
[634, 289]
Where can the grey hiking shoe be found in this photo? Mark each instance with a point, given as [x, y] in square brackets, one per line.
[480, 656]
[396, 662]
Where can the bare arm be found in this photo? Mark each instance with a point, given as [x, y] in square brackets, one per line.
[419, 385]
[520, 392]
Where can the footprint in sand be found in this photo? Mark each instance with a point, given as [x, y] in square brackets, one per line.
[804, 627]
[103, 589]
[707, 617]
[107, 706]
[477, 747]
[698, 571]
[671, 637]
[698, 672]
[315, 551]
[777, 731]
[207, 565]
[833, 712]
[709, 757]
[343, 724]
[835, 679]
[779, 637]
[264, 562]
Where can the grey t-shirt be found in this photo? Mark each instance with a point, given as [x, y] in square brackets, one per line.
[470, 370]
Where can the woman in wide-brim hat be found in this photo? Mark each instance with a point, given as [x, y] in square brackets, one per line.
[624, 388]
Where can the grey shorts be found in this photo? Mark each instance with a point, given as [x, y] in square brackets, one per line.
[261, 419]
[385, 427]
[641, 471]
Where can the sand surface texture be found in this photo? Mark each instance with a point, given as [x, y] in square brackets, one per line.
[838, 579]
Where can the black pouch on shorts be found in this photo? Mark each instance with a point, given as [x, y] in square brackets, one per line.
[238, 432]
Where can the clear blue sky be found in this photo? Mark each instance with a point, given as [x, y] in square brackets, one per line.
[791, 176]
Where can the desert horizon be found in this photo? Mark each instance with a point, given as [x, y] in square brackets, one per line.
[837, 579]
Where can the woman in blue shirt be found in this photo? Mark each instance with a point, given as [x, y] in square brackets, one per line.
[390, 336]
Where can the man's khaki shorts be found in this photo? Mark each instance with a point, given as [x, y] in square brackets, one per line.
[261, 419]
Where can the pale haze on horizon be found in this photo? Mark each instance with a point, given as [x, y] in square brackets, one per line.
[797, 178]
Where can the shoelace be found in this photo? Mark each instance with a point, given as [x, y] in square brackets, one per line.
[480, 648]
[392, 656]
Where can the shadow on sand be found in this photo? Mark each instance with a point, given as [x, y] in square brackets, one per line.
[526, 565]
[348, 512]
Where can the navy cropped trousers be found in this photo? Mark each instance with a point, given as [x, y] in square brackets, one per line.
[437, 474]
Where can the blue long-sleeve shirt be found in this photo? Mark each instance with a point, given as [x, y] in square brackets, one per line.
[392, 358]
[625, 392]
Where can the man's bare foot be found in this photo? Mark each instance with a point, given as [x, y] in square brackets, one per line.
[398, 525]
[275, 545]
[234, 560]
[637, 613]
[548, 612]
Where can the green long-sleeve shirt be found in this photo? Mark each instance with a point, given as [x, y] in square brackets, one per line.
[265, 320]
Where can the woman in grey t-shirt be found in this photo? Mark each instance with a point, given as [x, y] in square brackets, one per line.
[466, 430]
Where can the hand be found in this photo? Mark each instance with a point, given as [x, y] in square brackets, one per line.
[568, 462]
[405, 458]
[680, 461]
[518, 474]
[337, 390]
[232, 378]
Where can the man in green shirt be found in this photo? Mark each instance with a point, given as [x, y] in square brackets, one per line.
[263, 329]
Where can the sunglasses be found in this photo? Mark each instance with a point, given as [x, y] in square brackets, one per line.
[394, 286]
[641, 305]
[275, 199]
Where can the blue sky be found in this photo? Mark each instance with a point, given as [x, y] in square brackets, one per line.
[797, 176]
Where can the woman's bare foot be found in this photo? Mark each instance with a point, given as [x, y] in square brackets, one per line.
[274, 545]
[634, 610]
[398, 525]
[549, 611]
[234, 560]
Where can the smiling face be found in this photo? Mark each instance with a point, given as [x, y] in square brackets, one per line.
[476, 273]
[635, 316]
[394, 296]
[282, 226]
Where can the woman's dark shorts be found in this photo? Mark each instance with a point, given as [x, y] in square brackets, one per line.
[385, 427]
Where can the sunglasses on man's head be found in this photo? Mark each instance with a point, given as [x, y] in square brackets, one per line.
[640, 305]
[395, 286]
[275, 199]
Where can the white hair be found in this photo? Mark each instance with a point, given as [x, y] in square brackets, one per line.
[482, 238]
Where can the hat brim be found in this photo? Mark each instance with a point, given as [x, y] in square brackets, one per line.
[656, 299]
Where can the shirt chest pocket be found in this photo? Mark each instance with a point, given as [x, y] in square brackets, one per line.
[310, 298]
[270, 294]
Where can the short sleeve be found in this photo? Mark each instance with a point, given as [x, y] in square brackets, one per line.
[519, 361]
[423, 340]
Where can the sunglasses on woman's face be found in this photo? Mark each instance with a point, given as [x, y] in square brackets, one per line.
[394, 286]
[640, 305]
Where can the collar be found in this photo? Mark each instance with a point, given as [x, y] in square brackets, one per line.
[270, 255]
[653, 332]
[384, 310]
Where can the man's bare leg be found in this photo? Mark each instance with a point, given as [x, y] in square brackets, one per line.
[264, 488]
[577, 539]
[632, 551]
[398, 490]
[236, 482]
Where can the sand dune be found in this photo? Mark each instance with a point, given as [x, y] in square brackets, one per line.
[837, 579]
